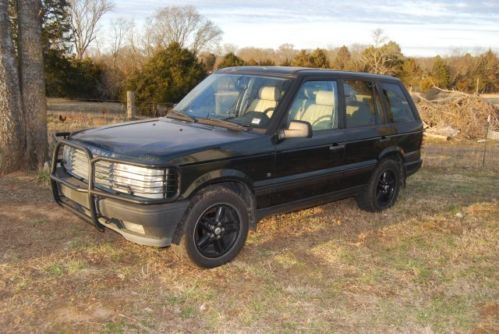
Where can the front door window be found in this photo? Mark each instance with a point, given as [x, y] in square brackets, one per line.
[317, 103]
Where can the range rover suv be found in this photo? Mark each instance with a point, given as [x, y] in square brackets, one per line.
[245, 143]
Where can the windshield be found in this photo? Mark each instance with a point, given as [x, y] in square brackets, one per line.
[245, 100]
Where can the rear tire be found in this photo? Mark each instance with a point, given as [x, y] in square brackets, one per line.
[215, 227]
[383, 188]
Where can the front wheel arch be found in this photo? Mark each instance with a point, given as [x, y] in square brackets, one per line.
[236, 185]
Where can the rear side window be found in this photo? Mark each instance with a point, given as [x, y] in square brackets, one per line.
[361, 104]
[399, 109]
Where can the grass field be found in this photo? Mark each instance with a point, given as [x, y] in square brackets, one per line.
[428, 265]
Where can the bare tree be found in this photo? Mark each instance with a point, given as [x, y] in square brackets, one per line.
[382, 57]
[32, 82]
[378, 37]
[121, 30]
[185, 26]
[286, 52]
[85, 16]
[11, 129]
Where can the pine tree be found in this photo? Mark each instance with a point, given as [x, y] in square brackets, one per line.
[342, 59]
[230, 60]
[167, 77]
[440, 73]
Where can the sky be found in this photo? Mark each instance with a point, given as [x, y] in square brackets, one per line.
[422, 28]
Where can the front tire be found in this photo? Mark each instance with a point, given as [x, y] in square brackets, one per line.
[215, 227]
[383, 187]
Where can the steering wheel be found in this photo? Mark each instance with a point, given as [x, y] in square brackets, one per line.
[321, 119]
[268, 110]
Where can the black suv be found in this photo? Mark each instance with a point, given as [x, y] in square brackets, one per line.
[245, 143]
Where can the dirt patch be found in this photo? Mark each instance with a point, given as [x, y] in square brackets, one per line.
[85, 314]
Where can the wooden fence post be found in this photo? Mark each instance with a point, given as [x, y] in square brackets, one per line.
[130, 105]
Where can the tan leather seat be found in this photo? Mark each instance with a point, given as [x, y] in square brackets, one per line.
[267, 98]
[321, 112]
[362, 116]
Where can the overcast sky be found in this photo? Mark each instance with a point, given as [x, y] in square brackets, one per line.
[422, 28]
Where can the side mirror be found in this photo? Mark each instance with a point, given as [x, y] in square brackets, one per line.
[296, 129]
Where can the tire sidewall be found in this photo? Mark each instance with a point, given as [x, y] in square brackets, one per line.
[202, 202]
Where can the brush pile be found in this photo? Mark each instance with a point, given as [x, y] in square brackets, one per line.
[463, 115]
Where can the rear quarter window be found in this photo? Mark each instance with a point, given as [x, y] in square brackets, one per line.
[399, 109]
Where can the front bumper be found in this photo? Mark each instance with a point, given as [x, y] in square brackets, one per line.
[146, 222]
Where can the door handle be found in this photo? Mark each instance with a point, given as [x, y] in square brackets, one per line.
[384, 138]
[335, 146]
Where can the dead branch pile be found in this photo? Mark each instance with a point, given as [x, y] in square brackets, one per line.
[464, 112]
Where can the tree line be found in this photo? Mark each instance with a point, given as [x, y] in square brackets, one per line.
[133, 57]
[177, 47]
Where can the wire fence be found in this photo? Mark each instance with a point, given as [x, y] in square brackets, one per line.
[105, 107]
[70, 115]
[473, 155]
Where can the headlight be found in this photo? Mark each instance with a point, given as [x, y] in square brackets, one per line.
[153, 183]
[75, 162]
[133, 180]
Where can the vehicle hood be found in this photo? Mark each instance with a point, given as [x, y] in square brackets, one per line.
[160, 141]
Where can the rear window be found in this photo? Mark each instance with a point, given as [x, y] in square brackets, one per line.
[362, 105]
[399, 109]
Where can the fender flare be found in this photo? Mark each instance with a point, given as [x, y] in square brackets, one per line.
[390, 151]
[218, 176]
[214, 177]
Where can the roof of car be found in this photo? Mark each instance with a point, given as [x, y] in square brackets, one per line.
[287, 71]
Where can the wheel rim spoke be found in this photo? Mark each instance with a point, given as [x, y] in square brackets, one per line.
[219, 215]
[385, 189]
[204, 241]
[230, 230]
[205, 226]
[218, 249]
[220, 243]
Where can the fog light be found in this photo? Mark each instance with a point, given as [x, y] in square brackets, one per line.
[137, 228]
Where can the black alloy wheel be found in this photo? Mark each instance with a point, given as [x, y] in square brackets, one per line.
[383, 187]
[386, 188]
[215, 226]
[216, 231]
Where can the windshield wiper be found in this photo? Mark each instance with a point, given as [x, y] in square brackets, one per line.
[223, 123]
[172, 113]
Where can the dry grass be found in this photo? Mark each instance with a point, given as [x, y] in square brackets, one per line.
[427, 265]
[469, 155]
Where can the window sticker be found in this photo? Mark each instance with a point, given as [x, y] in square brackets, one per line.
[255, 121]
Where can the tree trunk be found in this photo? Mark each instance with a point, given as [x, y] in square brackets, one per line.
[32, 82]
[11, 127]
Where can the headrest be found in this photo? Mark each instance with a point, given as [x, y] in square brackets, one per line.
[324, 98]
[309, 93]
[269, 93]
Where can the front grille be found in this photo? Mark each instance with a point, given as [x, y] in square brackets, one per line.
[153, 183]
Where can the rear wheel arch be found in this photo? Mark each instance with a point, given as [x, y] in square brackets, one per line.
[395, 153]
